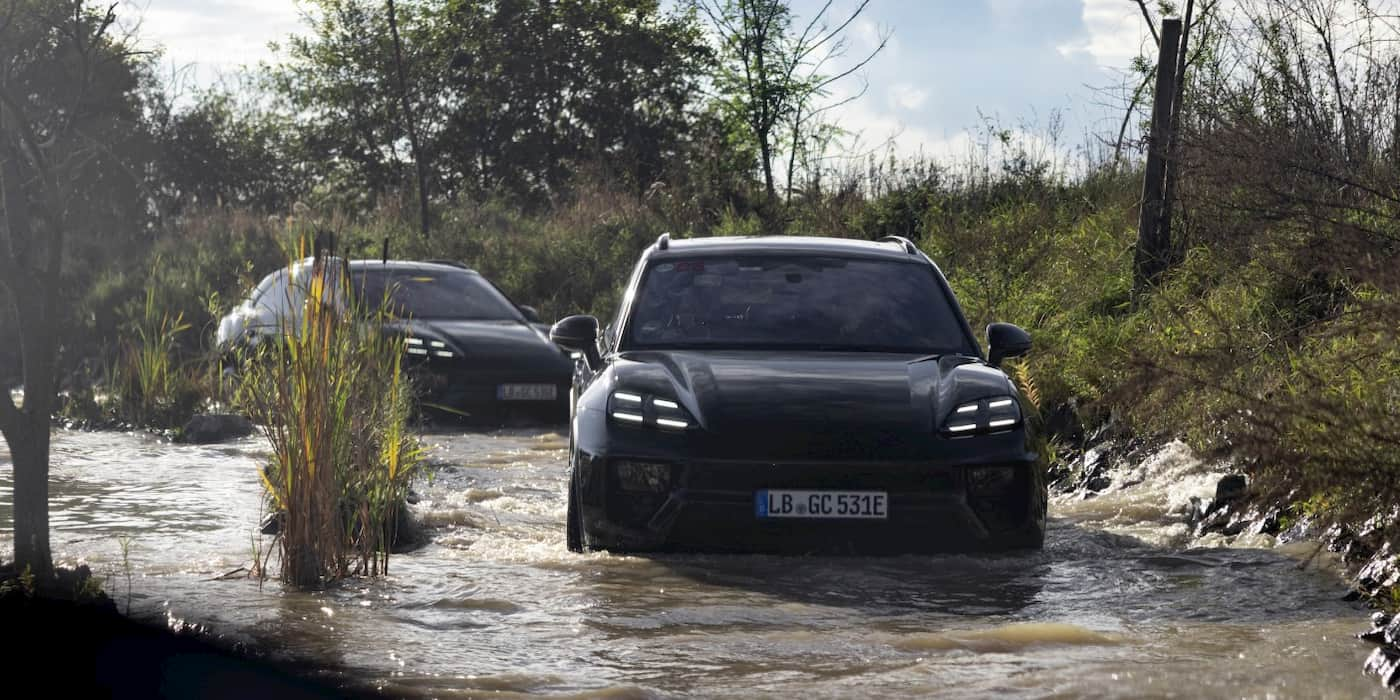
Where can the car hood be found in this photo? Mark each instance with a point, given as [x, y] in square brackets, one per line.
[490, 341]
[865, 399]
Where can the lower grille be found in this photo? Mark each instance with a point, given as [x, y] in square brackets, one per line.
[893, 477]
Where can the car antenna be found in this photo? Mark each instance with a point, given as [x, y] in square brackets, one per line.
[384, 253]
[664, 241]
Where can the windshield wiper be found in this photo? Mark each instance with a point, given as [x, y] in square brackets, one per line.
[940, 356]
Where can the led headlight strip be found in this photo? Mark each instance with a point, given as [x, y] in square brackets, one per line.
[635, 408]
[991, 415]
[436, 348]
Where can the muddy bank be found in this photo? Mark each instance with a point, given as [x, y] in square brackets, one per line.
[106, 654]
[1224, 510]
[70, 623]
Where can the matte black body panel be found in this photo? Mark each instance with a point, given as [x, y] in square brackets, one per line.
[486, 355]
[814, 420]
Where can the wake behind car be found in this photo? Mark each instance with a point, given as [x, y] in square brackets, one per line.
[796, 394]
[473, 352]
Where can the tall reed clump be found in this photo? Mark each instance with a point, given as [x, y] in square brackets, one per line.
[334, 403]
[153, 387]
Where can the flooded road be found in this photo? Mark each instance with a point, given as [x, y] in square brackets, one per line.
[1115, 606]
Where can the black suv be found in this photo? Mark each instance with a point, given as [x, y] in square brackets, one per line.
[796, 394]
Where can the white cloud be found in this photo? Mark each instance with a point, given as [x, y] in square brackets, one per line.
[1116, 33]
[907, 96]
[878, 132]
[211, 36]
[865, 36]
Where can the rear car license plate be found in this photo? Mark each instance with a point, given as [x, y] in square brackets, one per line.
[774, 503]
[526, 392]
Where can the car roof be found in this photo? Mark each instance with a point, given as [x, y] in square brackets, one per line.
[409, 265]
[738, 245]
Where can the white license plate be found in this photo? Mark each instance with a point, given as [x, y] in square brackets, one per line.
[526, 392]
[774, 503]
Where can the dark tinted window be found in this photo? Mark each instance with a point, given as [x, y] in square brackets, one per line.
[432, 293]
[798, 302]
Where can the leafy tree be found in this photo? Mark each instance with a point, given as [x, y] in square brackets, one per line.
[508, 97]
[338, 85]
[543, 88]
[773, 76]
[410, 125]
[219, 150]
[69, 115]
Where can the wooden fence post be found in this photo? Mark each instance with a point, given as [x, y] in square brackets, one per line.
[1153, 251]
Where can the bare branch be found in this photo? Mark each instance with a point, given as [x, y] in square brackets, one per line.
[1146, 15]
[1128, 115]
[839, 30]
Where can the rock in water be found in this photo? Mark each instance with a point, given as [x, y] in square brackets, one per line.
[1386, 665]
[1392, 631]
[216, 427]
[1231, 487]
[408, 532]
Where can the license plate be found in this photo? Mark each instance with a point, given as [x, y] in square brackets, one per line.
[775, 503]
[526, 392]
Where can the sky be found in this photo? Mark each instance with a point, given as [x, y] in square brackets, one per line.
[948, 64]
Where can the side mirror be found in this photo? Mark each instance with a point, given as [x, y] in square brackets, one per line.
[1005, 340]
[531, 314]
[578, 334]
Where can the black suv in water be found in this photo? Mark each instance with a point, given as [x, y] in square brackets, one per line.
[796, 394]
[472, 351]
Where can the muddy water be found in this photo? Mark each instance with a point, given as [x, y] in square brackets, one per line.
[1116, 606]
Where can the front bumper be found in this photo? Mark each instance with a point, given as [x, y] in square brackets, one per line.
[473, 396]
[709, 506]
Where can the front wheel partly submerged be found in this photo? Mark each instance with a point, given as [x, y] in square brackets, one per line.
[573, 528]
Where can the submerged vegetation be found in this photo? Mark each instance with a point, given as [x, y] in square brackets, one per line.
[333, 402]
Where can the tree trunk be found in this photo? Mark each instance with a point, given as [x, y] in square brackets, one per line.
[409, 124]
[30, 451]
[1151, 258]
[766, 150]
[1175, 152]
[26, 431]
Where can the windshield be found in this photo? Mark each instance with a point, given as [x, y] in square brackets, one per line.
[798, 302]
[432, 293]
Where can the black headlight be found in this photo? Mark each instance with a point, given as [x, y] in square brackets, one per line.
[427, 347]
[639, 409]
[991, 415]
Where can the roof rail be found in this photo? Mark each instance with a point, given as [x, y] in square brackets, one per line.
[453, 263]
[664, 241]
[903, 242]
